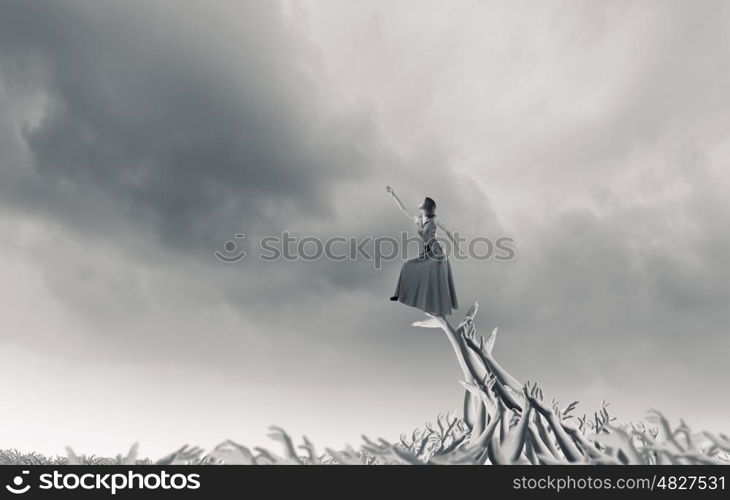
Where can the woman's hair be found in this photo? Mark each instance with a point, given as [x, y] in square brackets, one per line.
[429, 207]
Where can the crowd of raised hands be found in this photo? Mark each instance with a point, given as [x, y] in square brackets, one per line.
[504, 422]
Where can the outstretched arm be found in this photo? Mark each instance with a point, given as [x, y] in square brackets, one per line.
[567, 446]
[445, 229]
[514, 439]
[390, 191]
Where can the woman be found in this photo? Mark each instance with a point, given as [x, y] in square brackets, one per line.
[426, 281]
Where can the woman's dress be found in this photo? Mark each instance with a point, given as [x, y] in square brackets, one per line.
[426, 281]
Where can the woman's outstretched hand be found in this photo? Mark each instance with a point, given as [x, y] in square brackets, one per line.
[390, 191]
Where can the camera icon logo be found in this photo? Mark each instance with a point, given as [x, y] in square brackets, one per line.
[17, 486]
[229, 254]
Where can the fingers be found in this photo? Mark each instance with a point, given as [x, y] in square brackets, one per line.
[526, 390]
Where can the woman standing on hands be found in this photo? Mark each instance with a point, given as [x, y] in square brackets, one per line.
[426, 281]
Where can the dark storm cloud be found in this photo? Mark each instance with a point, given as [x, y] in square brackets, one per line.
[185, 123]
[161, 133]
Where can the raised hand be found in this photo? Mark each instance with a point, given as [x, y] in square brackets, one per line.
[617, 440]
[689, 436]
[309, 448]
[183, 456]
[534, 396]
[231, 453]
[390, 452]
[279, 434]
[72, 458]
[131, 457]
[657, 417]
[347, 456]
[722, 442]
[484, 392]
[484, 351]
[265, 457]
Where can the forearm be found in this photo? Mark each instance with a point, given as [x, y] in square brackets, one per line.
[493, 367]
[507, 396]
[516, 438]
[530, 450]
[448, 232]
[543, 436]
[502, 374]
[483, 439]
[290, 451]
[401, 206]
[589, 447]
[538, 444]
[564, 441]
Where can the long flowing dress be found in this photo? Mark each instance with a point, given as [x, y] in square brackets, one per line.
[426, 281]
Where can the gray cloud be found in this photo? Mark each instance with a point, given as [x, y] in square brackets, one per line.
[184, 126]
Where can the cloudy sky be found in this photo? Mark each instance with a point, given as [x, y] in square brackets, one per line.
[136, 138]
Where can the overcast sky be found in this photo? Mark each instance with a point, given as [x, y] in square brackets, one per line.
[136, 138]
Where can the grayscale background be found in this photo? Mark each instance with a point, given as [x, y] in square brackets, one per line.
[137, 137]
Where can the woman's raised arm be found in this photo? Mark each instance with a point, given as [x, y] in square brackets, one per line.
[390, 191]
